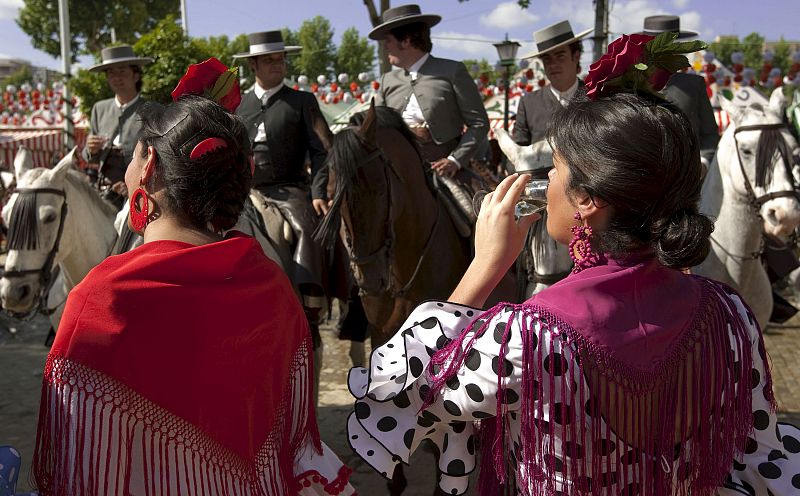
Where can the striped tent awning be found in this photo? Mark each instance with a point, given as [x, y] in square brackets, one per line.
[44, 144]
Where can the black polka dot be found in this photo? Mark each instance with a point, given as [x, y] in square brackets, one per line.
[608, 479]
[471, 445]
[429, 323]
[511, 397]
[508, 368]
[583, 484]
[555, 364]
[604, 447]
[474, 392]
[631, 457]
[458, 426]
[769, 470]
[456, 467]
[796, 481]
[387, 424]
[452, 408]
[481, 415]
[442, 341]
[445, 442]
[533, 341]
[422, 421]
[440, 304]
[390, 345]
[430, 351]
[423, 392]
[454, 491]
[555, 462]
[400, 379]
[453, 383]
[541, 424]
[632, 489]
[430, 415]
[591, 408]
[370, 452]
[562, 414]
[573, 450]
[362, 410]
[751, 446]
[760, 420]
[457, 313]
[755, 377]
[470, 313]
[415, 366]
[473, 360]
[776, 455]
[499, 332]
[791, 444]
[739, 466]
[408, 438]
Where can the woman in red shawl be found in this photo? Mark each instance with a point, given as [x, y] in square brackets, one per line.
[184, 366]
[629, 376]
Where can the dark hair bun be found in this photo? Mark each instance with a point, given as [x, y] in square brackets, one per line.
[683, 239]
[211, 189]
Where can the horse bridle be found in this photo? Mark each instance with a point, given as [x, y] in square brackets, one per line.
[46, 278]
[385, 251]
[756, 202]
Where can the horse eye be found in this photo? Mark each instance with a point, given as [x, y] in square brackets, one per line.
[49, 217]
[747, 151]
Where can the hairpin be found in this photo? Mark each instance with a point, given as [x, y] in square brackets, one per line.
[206, 146]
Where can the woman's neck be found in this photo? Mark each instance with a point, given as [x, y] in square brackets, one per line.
[171, 229]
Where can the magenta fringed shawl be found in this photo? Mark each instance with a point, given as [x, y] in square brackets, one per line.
[640, 332]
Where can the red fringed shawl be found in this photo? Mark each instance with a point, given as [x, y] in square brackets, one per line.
[667, 359]
[177, 369]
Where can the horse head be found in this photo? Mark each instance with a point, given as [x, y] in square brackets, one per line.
[35, 215]
[536, 156]
[755, 155]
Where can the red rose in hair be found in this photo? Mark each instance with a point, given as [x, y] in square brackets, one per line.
[212, 79]
[623, 53]
[659, 79]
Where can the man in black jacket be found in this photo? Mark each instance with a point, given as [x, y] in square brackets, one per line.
[285, 127]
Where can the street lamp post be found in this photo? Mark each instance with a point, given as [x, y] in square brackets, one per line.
[507, 51]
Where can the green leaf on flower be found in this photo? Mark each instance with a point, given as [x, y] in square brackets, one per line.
[641, 66]
[727, 93]
[223, 84]
[661, 42]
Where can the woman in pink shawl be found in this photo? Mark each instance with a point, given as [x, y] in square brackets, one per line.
[627, 377]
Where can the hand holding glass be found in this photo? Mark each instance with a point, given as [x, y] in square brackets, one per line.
[532, 200]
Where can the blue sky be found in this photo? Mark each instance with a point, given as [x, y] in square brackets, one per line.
[467, 29]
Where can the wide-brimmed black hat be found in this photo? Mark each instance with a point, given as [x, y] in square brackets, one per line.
[266, 42]
[400, 16]
[117, 56]
[553, 37]
[657, 24]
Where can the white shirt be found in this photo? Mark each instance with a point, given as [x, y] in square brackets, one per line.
[412, 114]
[264, 96]
[565, 96]
[122, 106]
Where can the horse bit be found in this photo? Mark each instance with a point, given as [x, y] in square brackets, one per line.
[46, 279]
[389, 285]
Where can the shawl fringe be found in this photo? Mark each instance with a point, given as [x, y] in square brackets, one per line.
[647, 410]
[96, 436]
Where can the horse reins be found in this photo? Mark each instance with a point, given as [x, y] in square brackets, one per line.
[386, 249]
[46, 279]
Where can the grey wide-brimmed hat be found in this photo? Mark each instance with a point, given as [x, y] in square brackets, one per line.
[553, 37]
[400, 16]
[117, 56]
[657, 24]
[266, 42]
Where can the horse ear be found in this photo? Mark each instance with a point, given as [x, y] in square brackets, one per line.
[65, 164]
[777, 102]
[369, 126]
[510, 148]
[735, 111]
[23, 162]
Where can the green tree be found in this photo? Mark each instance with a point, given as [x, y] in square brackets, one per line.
[224, 49]
[318, 55]
[354, 54]
[752, 47]
[91, 22]
[290, 38]
[90, 87]
[782, 56]
[20, 76]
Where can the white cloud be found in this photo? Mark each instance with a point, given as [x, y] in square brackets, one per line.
[508, 15]
[459, 46]
[9, 8]
[679, 4]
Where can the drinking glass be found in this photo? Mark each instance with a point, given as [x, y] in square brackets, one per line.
[533, 199]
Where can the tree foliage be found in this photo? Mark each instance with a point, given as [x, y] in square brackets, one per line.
[354, 55]
[91, 22]
[316, 37]
[752, 47]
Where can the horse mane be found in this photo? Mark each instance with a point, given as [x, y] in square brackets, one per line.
[77, 180]
[345, 157]
[770, 141]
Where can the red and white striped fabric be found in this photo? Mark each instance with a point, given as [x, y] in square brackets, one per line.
[723, 119]
[45, 144]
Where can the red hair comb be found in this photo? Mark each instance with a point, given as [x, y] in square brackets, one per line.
[206, 146]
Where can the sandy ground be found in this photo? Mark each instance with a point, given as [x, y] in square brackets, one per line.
[22, 356]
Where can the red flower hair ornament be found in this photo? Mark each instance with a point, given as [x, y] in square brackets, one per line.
[213, 80]
[639, 63]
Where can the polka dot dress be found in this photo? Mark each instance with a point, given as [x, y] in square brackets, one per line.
[387, 426]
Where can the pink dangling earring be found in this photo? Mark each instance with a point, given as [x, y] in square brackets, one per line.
[580, 248]
[139, 216]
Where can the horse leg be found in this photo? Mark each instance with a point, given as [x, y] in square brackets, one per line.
[357, 353]
[397, 484]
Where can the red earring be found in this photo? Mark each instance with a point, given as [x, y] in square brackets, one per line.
[139, 216]
[580, 247]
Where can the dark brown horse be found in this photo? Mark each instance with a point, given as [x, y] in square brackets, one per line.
[402, 244]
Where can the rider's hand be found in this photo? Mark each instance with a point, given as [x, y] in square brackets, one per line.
[499, 238]
[94, 142]
[445, 167]
[320, 206]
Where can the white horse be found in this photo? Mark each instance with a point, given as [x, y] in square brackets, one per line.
[550, 260]
[54, 218]
[748, 188]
